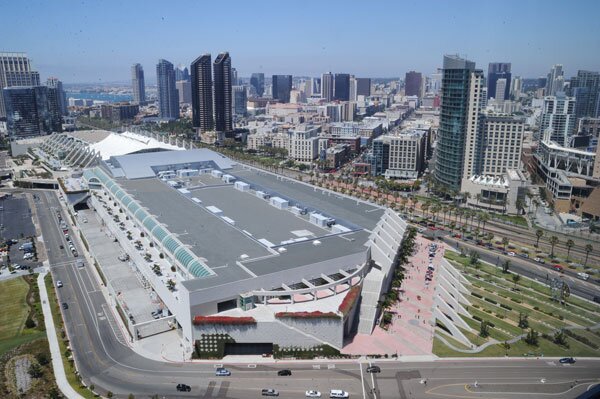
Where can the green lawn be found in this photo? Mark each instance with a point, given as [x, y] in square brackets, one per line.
[13, 297]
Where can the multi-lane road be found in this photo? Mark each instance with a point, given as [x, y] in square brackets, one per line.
[105, 359]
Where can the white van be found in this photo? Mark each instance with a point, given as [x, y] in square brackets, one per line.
[338, 393]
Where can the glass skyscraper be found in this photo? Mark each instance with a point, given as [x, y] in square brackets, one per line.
[137, 81]
[257, 80]
[222, 93]
[31, 111]
[282, 87]
[168, 98]
[457, 77]
[202, 96]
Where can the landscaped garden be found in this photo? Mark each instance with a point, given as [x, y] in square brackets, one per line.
[515, 316]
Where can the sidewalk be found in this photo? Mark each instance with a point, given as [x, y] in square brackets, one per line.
[57, 362]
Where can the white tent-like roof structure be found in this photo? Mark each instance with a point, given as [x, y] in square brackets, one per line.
[126, 143]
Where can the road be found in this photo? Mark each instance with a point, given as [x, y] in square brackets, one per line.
[104, 359]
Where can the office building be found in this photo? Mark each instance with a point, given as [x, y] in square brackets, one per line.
[496, 71]
[585, 87]
[413, 83]
[500, 94]
[516, 87]
[182, 73]
[461, 97]
[54, 83]
[363, 87]
[555, 81]
[31, 111]
[184, 89]
[501, 144]
[168, 99]
[353, 96]
[341, 87]
[399, 156]
[15, 70]
[558, 121]
[234, 77]
[222, 93]
[313, 87]
[119, 112]
[282, 87]
[239, 100]
[137, 82]
[327, 86]
[202, 94]
[257, 80]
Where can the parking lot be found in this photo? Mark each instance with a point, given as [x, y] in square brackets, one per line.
[15, 218]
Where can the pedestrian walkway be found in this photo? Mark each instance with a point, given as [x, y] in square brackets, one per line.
[412, 328]
[57, 361]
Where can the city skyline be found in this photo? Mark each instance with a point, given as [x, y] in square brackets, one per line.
[96, 49]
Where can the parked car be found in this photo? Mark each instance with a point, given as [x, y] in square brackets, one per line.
[313, 394]
[373, 369]
[183, 388]
[222, 372]
[558, 268]
[583, 276]
[539, 260]
[285, 372]
[596, 299]
[65, 305]
[511, 253]
[567, 360]
[59, 284]
[270, 392]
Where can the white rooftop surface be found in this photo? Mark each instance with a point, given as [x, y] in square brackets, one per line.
[126, 143]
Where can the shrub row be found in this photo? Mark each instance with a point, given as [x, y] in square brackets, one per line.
[515, 300]
[582, 339]
[476, 295]
[490, 300]
[505, 306]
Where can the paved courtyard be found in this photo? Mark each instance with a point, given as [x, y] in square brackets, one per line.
[412, 328]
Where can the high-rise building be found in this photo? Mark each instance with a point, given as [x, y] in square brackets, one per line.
[239, 100]
[585, 87]
[182, 73]
[31, 110]
[353, 96]
[461, 97]
[15, 70]
[234, 77]
[499, 146]
[555, 81]
[54, 83]
[257, 80]
[184, 89]
[282, 87]
[222, 93]
[202, 95]
[558, 120]
[327, 86]
[341, 87]
[498, 70]
[413, 83]
[516, 87]
[137, 81]
[500, 90]
[168, 99]
[363, 87]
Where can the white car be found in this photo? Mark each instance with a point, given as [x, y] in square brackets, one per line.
[313, 394]
[59, 284]
[338, 393]
[583, 276]
[511, 253]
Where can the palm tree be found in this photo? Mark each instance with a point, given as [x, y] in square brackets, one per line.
[570, 243]
[505, 242]
[520, 205]
[505, 266]
[490, 237]
[445, 209]
[553, 241]
[425, 208]
[484, 219]
[435, 208]
[466, 195]
[588, 249]
[538, 233]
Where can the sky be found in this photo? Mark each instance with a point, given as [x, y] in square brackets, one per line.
[98, 41]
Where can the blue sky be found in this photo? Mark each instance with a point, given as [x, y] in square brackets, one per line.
[97, 41]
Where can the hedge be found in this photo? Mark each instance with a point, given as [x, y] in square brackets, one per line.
[306, 315]
[490, 300]
[349, 300]
[223, 320]
[505, 306]
[476, 295]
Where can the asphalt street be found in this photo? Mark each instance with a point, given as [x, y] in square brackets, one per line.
[104, 359]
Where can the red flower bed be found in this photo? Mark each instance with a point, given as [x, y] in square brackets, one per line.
[225, 320]
[306, 315]
[349, 300]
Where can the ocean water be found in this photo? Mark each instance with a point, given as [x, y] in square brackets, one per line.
[111, 98]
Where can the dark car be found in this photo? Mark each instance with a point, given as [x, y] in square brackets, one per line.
[567, 360]
[596, 299]
[373, 369]
[65, 305]
[284, 372]
[183, 388]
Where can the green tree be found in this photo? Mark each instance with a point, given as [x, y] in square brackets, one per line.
[560, 338]
[532, 337]
[35, 371]
[505, 242]
[505, 266]
[553, 241]
[523, 321]
[539, 233]
[570, 244]
[484, 329]
[588, 249]
[516, 278]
